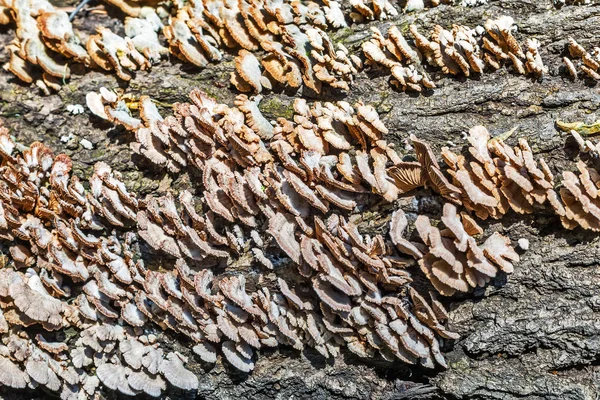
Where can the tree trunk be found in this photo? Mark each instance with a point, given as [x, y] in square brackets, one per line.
[534, 334]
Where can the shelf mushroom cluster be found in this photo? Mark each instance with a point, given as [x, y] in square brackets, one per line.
[328, 152]
[580, 195]
[493, 178]
[201, 30]
[198, 32]
[354, 278]
[123, 361]
[307, 58]
[588, 63]
[138, 50]
[367, 10]
[81, 251]
[290, 178]
[68, 272]
[332, 157]
[451, 258]
[461, 51]
[297, 50]
[46, 43]
[291, 33]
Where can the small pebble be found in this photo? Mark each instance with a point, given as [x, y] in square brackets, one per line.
[523, 244]
[66, 138]
[75, 109]
[86, 144]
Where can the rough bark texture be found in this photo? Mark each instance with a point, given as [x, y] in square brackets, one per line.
[534, 334]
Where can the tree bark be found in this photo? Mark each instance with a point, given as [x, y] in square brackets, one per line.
[534, 334]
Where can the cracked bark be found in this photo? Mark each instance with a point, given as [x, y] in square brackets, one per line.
[534, 334]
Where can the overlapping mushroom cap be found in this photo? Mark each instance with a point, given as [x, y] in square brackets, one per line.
[451, 259]
[292, 36]
[579, 194]
[589, 63]
[293, 176]
[461, 51]
[493, 178]
[268, 191]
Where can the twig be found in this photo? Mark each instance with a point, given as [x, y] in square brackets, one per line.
[79, 7]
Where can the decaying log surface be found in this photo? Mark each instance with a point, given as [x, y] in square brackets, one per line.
[534, 335]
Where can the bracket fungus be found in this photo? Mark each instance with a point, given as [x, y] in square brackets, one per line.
[452, 260]
[292, 36]
[269, 191]
[71, 273]
[588, 63]
[46, 46]
[138, 50]
[293, 177]
[274, 196]
[372, 9]
[77, 252]
[44, 41]
[493, 178]
[196, 33]
[461, 51]
[579, 196]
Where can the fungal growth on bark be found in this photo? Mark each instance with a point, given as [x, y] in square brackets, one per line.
[294, 178]
[43, 43]
[579, 193]
[46, 44]
[493, 178]
[582, 60]
[291, 33]
[272, 195]
[71, 269]
[77, 253]
[451, 258]
[277, 43]
[372, 9]
[292, 226]
[298, 50]
[138, 50]
[461, 51]
[291, 66]
[312, 152]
